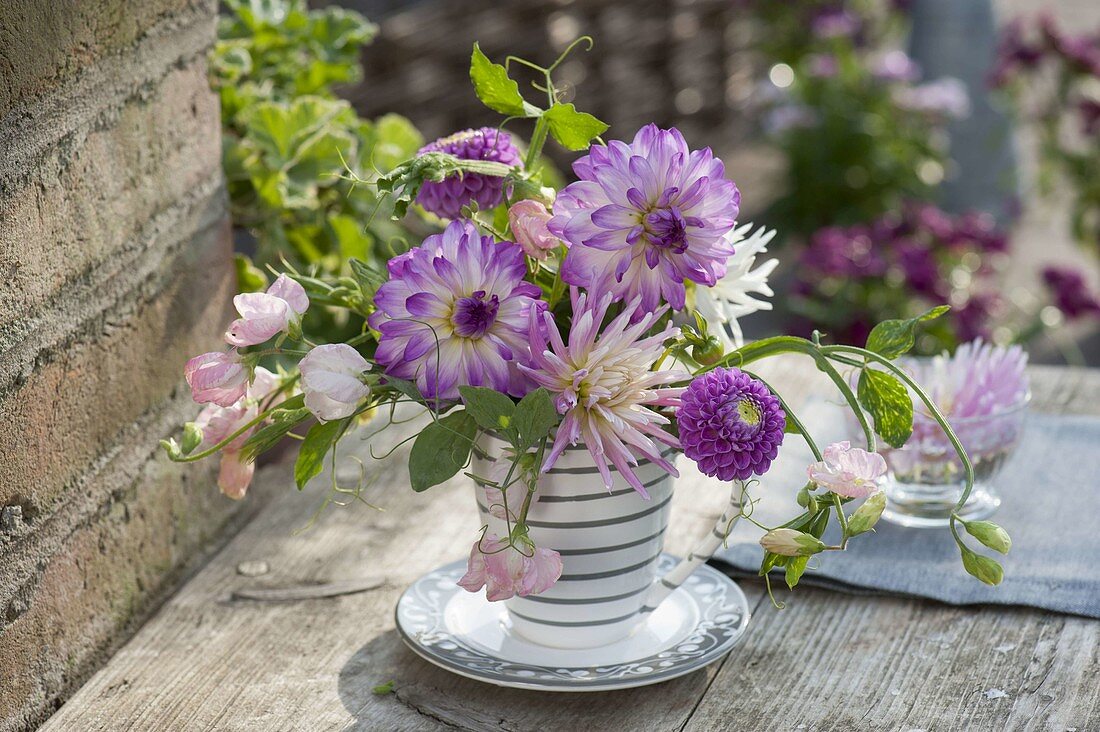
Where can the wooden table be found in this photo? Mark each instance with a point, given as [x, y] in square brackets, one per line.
[212, 659]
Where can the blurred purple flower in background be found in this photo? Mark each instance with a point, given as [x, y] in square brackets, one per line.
[1071, 293]
[895, 65]
[946, 96]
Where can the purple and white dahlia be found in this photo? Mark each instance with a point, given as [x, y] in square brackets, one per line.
[447, 197]
[730, 424]
[454, 312]
[646, 216]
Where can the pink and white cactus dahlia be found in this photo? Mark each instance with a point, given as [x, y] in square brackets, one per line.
[604, 387]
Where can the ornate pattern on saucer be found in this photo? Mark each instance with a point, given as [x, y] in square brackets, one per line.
[464, 633]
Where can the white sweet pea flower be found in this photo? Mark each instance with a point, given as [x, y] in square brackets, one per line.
[330, 381]
[731, 298]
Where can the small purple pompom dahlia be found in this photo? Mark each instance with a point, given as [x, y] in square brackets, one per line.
[447, 197]
[730, 424]
[455, 312]
[646, 216]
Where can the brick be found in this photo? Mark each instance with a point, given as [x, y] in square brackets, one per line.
[72, 408]
[90, 198]
[45, 44]
[106, 578]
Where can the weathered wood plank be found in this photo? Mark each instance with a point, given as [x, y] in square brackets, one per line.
[827, 662]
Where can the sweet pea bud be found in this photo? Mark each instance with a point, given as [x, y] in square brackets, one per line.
[990, 534]
[708, 353]
[807, 500]
[294, 328]
[192, 438]
[791, 543]
[171, 447]
[867, 515]
[985, 569]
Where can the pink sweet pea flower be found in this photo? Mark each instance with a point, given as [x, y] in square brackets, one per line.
[235, 475]
[217, 423]
[528, 219]
[265, 314]
[848, 471]
[330, 380]
[216, 377]
[504, 572]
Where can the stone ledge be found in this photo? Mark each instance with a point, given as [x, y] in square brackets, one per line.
[46, 44]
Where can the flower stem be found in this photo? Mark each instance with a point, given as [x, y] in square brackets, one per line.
[538, 139]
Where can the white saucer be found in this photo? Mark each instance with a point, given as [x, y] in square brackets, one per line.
[465, 633]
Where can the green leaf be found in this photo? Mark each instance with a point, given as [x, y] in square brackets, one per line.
[393, 139]
[987, 532]
[985, 569]
[887, 401]
[269, 435]
[796, 566]
[490, 409]
[892, 338]
[352, 239]
[311, 455]
[534, 418]
[441, 450]
[493, 87]
[250, 278]
[573, 129]
[867, 515]
[405, 387]
[386, 688]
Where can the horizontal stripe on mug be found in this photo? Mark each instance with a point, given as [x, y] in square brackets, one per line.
[585, 601]
[578, 471]
[608, 549]
[574, 624]
[610, 572]
[604, 494]
[589, 524]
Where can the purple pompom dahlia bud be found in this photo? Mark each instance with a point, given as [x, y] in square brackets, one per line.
[447, 197]
[730, 424]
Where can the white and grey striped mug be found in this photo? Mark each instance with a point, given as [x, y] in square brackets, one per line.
[609, 541]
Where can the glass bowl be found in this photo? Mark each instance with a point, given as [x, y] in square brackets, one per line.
[926, 480]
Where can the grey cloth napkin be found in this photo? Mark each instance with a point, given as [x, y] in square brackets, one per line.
[1050, 492]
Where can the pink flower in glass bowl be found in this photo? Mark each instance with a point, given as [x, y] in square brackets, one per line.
[506, 572]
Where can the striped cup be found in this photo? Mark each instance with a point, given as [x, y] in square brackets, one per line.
[609, 541]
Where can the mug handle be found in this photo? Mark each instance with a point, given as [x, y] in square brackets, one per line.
[663, 586]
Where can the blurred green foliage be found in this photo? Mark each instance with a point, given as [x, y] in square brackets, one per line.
[852, 151]
[292, 150]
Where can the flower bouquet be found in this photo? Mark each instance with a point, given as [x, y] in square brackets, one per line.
[565, 347]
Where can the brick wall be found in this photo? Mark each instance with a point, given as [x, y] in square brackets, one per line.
[115, 267]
